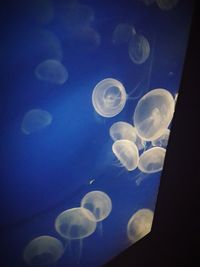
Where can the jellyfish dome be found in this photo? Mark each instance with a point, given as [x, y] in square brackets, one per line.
[162, 141]
[122, 33]
[127, 153]
[98, 203]
[75, 223]
[52, 71]
[166, 4]
[152, 160]
[109, 97]
[139, 224]
[139, 49]
[153, 114]
[42, 251]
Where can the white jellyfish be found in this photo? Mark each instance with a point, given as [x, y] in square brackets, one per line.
[109, 97]
[43, 250]
[166, 4]
[139, 224]
[139, 49]
[35, 120]
[162, 141]
[51, 71]
[127, 153]
[123, 130]
[122, 33]
[152, 160]
[153, 114]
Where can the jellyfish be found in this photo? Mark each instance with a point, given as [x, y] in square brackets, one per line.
[139, 224]
[51, 71]
[127, 153]
[153, 114]
[166, 4]
[139, 49]
[152, 160]
[162, 141]
[43, 250]
[123, 130]
[35, 120]
[122, 33]
[109, 97]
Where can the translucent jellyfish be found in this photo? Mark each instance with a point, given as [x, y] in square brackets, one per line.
[139, 49]
[139, 224]
[42, 251]
[127, 153]
[88, 37]
[162, 141]
[52, 71]
[166, 4]
[152, 160]
[153, 114]
[122, 33]
[109, 97]
[35, 120]
[125, 131]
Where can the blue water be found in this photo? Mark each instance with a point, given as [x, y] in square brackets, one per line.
[50, 171]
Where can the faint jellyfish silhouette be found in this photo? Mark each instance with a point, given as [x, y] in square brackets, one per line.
[122, 33]
[139, 49]
[139, 224]
[153, 114]
[127, 153]
[35, 120]
[43, 250]
[88, 37]
[109, 97]
[52, 71]
[152, 160]
[162, 141]
[166, 4]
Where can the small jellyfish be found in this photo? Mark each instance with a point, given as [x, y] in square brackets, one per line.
[153, 114]
[109, 97]
[152, 160]
[88, 37]
[139, 49]
[122, 33]
[139, 224]
[52, 71]
[166, 4]
[127, 153]
[162, 141]
[35, 120]
[42, 251]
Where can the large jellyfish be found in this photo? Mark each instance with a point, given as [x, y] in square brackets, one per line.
[152, 160]
[139, 224]
[35, 120]
[42, 251]
[127, 153]
[139, 49]
[166, 4]
[153, 114]
[109, 97]
[162, 141]
[52, 71]
[122, 33]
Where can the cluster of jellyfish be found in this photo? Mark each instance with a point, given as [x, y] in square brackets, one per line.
[73, 225]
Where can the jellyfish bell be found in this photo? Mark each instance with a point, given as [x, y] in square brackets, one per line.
[162, 141]
[127, 153]
[139, 224]
[122, 33]
[152, 160]
[153, 114]
[42, 251]
[109, 97]
[166, 4]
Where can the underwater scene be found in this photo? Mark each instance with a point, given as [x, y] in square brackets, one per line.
[90, 94]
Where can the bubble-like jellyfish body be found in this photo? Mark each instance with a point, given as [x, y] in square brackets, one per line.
[35, 120]
[152, 160]
[139, 49]
[125, 131]
[166, 4]
[109, 97]
[122, 33]
[162, 141]
[139, 224]
[52, 71]
[42, 251]
[98, 203]
[127, 153]
[75, 223]
[153, 114]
